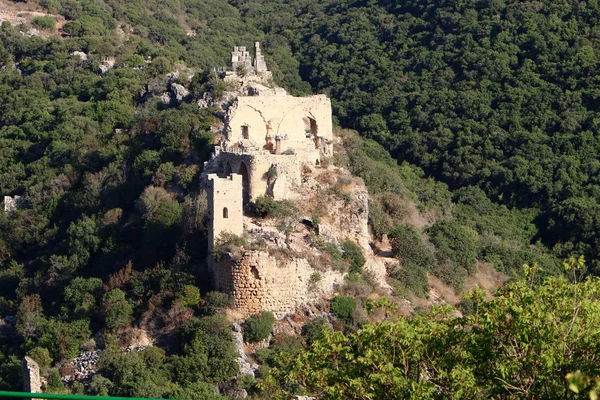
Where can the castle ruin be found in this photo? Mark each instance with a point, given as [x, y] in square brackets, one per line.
[269, 138]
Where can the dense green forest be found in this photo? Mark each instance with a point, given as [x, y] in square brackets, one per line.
[482, 113]
[502, 95]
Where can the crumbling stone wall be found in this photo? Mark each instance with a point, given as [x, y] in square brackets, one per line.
[287, 166]
[260, 282]
[262, 117]
[32, 382]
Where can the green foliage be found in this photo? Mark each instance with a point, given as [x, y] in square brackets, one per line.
[333, 250]
[455, 243]
[259, 327]
[353, 253]
[54, 381]
[409, 248]
[314, 329]
[117, 310]
[41, 355]
[137, 373]
[208, 353]
[215, 301]
[44, 22]
[82, 295]
[414, 278]
[189, 296]
[198, 390]
[483, 355]
[267, 207]
[343, 307]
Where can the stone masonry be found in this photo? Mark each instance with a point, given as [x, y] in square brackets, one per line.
[224, 207]
[269, 139]
[31, 376]
[260, 281]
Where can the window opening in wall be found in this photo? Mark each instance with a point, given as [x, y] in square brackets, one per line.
[313, 127]
[225, 212]
[245, 133]
[314, 131]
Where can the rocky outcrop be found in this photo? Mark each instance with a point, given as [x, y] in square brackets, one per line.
[246, 367]
[106, 65]
[178, 92]
[82, 56]
[81, 368]
[11, 204]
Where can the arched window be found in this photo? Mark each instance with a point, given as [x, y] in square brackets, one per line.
[225, 212]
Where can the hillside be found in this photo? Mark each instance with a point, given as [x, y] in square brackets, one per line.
[472, 125]
[497, 95]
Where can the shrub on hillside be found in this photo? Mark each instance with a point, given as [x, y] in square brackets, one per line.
[343, 307]
[455, 242]
[353, 253]
[313, 330]
[54, 381]
[117, 310]
[266, 206]
[44, 22]
[379, 222]
[413, 278]
[214, 301]
[259, 327]
[409, 248]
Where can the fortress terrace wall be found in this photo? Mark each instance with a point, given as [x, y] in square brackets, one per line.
[261, 282]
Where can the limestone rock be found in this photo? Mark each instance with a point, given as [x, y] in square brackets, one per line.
[165, 98]
[107, 64]
[246, 368]
[233, 392]
[11, 204]
[82, 56]
[179, 92]
[376, 266]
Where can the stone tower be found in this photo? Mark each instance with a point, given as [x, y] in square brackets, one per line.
[31, 376]
[224, 207]
[259, 60]
[240, 58]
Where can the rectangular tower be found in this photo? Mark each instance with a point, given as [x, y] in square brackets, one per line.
[224, 207]
[259, 60]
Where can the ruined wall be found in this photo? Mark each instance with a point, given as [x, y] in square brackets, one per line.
[224, 206]
[288, 167]
[31, 376]
[285, 116]
[261, 282]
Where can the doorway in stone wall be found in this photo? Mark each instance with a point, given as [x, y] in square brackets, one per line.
[245, 132]
[245, 183]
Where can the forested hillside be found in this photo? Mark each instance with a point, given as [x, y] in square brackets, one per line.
[483, 115]
[502, 95]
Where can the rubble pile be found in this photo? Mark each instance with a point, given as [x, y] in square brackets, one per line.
[83, 367]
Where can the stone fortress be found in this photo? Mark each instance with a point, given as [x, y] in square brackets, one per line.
[269, 140]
